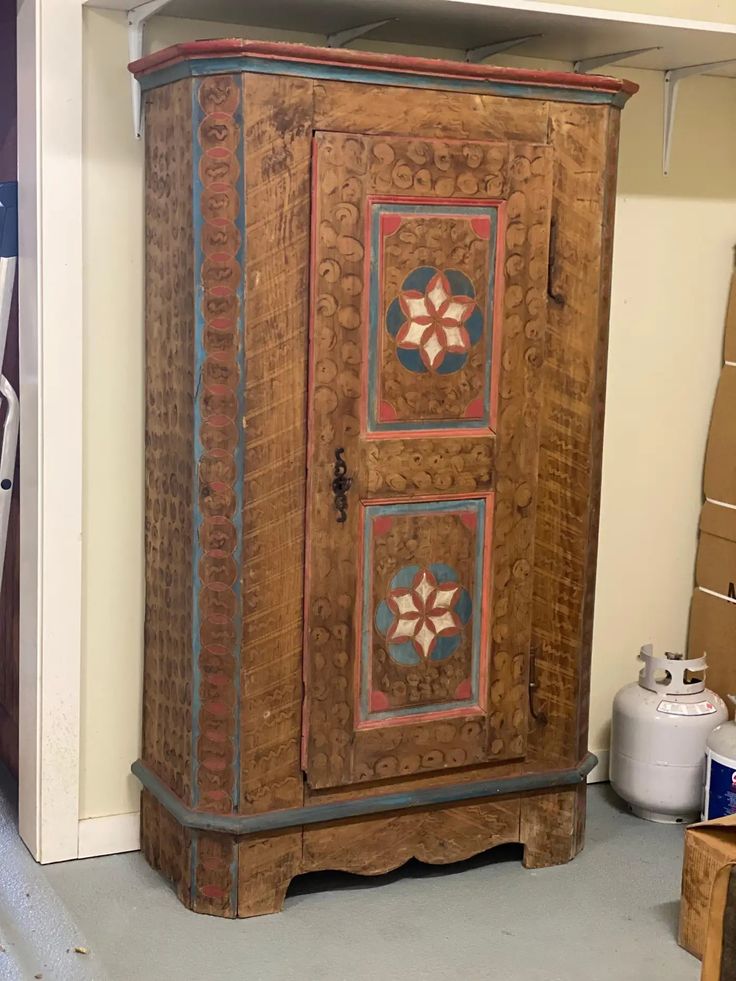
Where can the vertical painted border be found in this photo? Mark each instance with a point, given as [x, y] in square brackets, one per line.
[483, 507]
[219, 440]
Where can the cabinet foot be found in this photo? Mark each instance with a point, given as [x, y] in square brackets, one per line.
[267, 864]
[552, 827]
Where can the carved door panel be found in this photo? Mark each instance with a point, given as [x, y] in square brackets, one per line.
[428, 310]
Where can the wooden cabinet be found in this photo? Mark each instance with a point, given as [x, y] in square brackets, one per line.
[377, 300]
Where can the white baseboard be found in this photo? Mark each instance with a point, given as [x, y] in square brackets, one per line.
[109, 835]
[599, 773]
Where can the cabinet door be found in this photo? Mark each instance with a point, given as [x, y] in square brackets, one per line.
[428, 308]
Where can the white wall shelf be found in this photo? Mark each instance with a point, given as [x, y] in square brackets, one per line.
[588, 38]
[553, 30]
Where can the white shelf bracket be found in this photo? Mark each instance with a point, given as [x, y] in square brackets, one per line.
[137, 18]
[585, 65]
[672, 79]
[476, 55]
[340, 38]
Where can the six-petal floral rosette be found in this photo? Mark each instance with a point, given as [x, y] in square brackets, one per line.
[423, 616]
[435, 320]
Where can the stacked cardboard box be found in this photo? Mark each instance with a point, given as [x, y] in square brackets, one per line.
[710, 852]
[710, 848]
[713, 611]
[719, 959]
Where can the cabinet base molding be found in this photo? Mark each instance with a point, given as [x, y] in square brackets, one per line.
[239, 875]
[242, 824]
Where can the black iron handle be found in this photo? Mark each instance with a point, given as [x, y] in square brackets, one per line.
[341, 485]
[552, 293]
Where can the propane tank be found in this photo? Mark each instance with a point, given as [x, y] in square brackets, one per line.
[719, 796]
[658, 734]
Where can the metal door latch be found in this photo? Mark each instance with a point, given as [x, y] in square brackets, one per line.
[341, 485]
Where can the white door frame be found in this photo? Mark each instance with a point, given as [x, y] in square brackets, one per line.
[51, 393]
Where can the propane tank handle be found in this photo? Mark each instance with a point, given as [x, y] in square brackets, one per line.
[673, 669]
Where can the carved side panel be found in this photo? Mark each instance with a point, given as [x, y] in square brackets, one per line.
[278, 131]
[570, 444]
[600, 366]
[370, 846]
[218, 442]
[167, 681]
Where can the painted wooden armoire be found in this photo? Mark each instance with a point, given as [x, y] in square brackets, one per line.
[377, 296]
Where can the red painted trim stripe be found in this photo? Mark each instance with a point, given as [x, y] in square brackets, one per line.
[499, 294]
[281, 51]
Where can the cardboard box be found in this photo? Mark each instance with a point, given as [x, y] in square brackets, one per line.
[729, 346]
[709, 867]
[713, 632]
[715, 567]
[709, 847]
[719, 960]
[719, 474]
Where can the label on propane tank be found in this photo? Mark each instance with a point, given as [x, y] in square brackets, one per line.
[720, 787]
[686, 708]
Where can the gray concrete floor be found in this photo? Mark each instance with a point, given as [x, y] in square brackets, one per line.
[38, 933]
[609, 916]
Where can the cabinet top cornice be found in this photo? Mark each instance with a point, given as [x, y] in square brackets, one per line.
[269, 57]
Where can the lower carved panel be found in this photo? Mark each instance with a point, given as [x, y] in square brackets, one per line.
[250, 875]
[438, 835]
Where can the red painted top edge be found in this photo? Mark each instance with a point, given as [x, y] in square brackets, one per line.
[277, 50]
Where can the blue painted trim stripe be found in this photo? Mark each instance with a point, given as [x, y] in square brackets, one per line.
[370, 513]
[195, 67]
[376, 324]
[248, 824]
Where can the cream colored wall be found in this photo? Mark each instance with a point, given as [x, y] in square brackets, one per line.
[671, 269]
[715, 10]
[113, 430]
